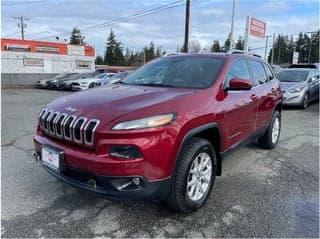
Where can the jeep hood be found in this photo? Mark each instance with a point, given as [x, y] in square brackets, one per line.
[108, 103]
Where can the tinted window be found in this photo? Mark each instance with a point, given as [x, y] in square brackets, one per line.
[179, 72]
[270, 74]
[292, 75]
[258, 72]
[238, 69]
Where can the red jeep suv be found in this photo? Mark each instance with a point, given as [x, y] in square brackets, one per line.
[162, 132]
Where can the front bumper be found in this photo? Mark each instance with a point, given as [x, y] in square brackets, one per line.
[293, 99]
[127, 187]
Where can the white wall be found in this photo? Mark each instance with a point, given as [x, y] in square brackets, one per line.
[12, 62]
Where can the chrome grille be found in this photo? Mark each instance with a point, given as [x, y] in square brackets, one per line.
[68, 127]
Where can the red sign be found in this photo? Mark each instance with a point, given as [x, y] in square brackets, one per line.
[257, 28]
[41, 47]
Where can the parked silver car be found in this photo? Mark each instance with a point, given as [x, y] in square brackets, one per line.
[300, 86]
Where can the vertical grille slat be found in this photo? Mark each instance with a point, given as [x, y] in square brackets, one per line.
[40, 117]
[79, 130]
[46, 120]
[67, 127]
[89, 131]
[51, 123]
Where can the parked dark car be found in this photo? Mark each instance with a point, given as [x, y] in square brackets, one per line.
[55, 83]
[161, 134]
[300, 86]
[67, 84]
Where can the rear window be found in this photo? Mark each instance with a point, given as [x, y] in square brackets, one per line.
[179, 72]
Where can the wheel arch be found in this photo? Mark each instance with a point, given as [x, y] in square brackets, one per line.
[210, 132]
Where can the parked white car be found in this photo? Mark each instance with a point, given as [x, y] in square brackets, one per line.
[88, 83]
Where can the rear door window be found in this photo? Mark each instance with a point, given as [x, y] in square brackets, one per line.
[270, 74]
[258, 72]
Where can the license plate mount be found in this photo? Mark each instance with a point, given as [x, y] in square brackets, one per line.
[52, 158]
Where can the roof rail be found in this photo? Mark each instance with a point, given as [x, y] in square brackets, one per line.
[174, 54]
[236, 51]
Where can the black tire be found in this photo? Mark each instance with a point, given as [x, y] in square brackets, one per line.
[265, 141]
[91, 85]
[178, 198]
[305, 102]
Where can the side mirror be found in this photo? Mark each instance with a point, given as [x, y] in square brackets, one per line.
[239, 84]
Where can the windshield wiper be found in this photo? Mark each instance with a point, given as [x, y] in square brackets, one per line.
[156, 85]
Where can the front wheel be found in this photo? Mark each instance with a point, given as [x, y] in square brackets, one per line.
[271, 137]
[305, 102]
[194, 177]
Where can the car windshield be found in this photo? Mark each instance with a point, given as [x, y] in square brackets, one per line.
[197, 72]
[292, 76]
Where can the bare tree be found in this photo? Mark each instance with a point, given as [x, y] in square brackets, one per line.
[194, 46]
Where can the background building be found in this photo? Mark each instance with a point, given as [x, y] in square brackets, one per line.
[26, 56]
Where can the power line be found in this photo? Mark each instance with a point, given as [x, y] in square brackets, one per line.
[129, 18]
[134, 16]
[7, 3]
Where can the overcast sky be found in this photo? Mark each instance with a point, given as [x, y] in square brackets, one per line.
[209, 20]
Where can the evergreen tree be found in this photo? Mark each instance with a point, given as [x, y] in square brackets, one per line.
[215, 46]
[99, 60]
[314, 54]
[239, 44]
[226, 46]
[76, 37]
[113, 55]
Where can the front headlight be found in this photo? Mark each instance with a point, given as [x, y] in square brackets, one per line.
[149, 122]
[297, 89]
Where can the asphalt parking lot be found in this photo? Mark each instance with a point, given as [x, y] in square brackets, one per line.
[260, 194]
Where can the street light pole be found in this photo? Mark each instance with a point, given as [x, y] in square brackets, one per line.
[266, 47]
[232, 23]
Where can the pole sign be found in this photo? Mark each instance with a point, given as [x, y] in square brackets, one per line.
[257, 28]
[295, 57]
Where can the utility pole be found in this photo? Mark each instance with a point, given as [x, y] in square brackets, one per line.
[22, 25]
[232, 23]
[186, 29]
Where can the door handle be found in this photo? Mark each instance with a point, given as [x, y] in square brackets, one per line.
[253, 97]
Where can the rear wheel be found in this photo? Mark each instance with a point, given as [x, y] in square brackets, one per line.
[195, 174]
[271, 137]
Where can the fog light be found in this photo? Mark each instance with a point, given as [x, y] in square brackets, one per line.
[125, 151]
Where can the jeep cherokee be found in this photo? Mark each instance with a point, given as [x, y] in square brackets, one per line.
[162, 132]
